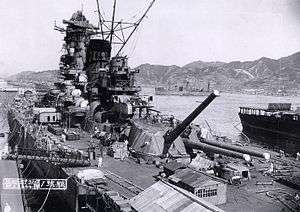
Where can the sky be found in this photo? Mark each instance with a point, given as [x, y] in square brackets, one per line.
[175, 32]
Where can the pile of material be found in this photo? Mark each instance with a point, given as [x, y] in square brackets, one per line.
[88, 174]
[118, 150]
[72, 135]
[201, 163]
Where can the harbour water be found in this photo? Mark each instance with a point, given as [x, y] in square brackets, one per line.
[222, 114]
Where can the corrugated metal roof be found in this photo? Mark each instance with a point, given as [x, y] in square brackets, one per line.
[192, 178]
[174, 165]
[163, 196]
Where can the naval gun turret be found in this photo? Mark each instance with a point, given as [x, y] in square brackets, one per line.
[171, 136]
[148, 140]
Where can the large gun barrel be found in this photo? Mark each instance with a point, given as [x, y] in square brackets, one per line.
[251, 152]
[171, 136]
[213, 149]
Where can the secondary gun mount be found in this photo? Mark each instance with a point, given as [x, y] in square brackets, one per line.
[171, 136]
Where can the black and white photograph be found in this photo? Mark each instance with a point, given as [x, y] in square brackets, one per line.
[150, 106]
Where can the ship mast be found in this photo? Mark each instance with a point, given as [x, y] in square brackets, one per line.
[116, 32]
[136, 26]
[112, 23]
[100, 18]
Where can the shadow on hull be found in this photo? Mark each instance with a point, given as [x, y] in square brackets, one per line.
[273, 140]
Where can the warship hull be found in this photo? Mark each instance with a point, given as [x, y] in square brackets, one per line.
[21, 138]
[272, 131]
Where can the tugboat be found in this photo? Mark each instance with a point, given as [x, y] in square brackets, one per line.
[277, 125]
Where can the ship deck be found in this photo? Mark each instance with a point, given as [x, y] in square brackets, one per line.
[252, 195]
[249, 196]
[127, 177]
[120, 174]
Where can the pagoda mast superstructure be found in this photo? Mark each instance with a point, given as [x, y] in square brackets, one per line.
[109, 77]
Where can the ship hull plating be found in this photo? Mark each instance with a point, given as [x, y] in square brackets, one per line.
[22, 139]
[273, 132]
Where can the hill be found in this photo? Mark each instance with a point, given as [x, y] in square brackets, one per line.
[265, 74]
[31, 76]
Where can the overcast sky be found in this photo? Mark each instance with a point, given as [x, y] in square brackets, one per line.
[174, 32]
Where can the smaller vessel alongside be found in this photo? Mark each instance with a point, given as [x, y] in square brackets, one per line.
[278, 125]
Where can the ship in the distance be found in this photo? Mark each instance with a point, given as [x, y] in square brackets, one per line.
[184, 89]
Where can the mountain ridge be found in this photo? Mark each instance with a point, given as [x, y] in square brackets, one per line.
[270, 75]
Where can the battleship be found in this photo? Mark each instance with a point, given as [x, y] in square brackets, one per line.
[276, 125]
[93, 143]
[93, 110]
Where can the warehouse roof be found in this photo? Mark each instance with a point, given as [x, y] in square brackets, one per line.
[174, 165]
[192, 177]
[163, 196]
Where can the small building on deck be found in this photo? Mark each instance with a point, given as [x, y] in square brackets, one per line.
[233, 172]
[163, 196]
[209, 188]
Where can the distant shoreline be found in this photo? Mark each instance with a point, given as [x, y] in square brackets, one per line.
[234, 92]
[265, 94]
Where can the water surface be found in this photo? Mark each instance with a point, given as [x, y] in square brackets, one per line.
[221, 114]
